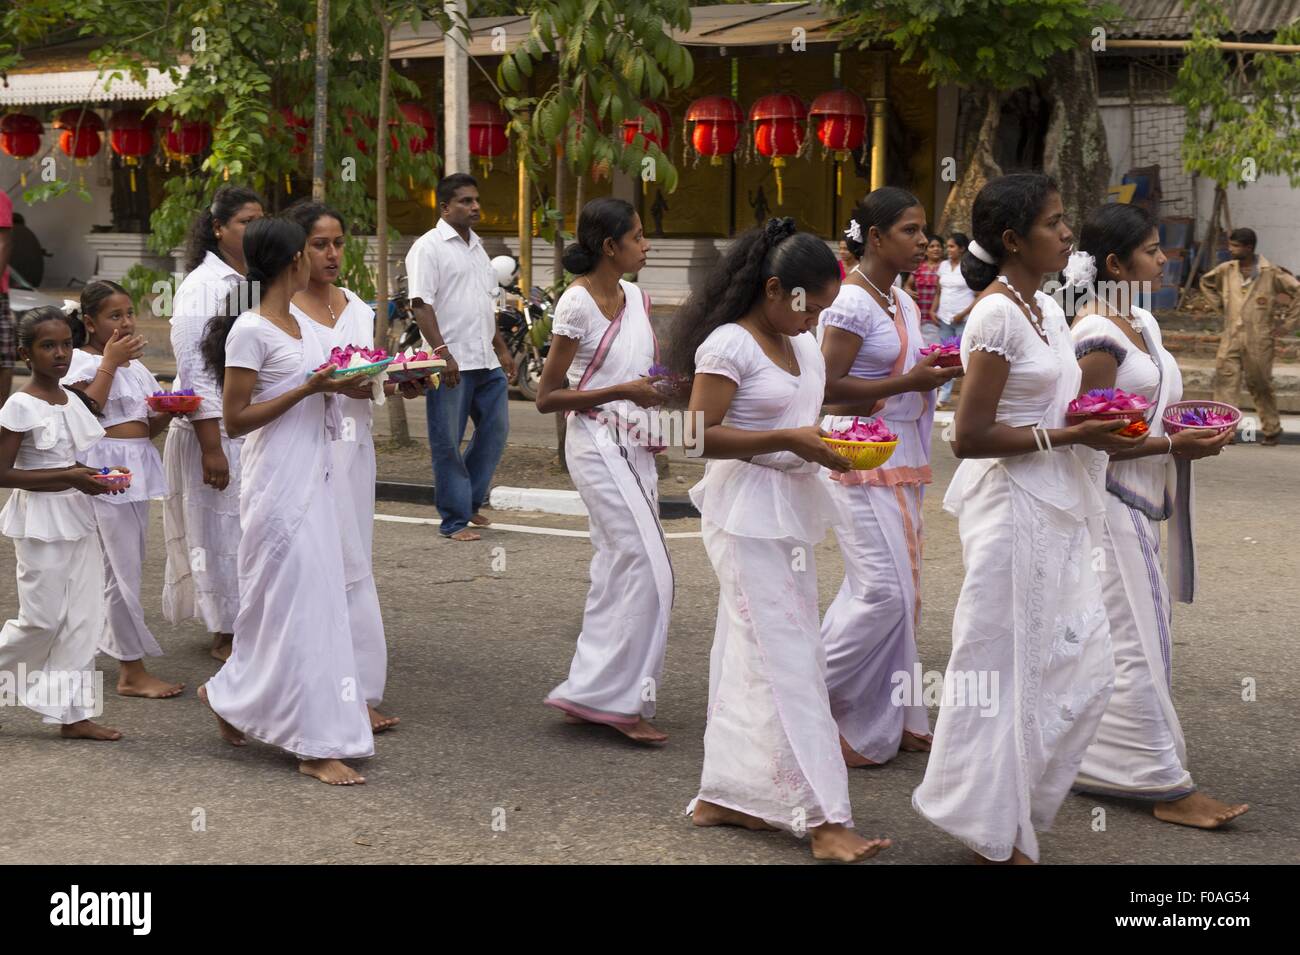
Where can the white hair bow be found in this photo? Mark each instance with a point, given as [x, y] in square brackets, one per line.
[854, 231]
[1080, 270]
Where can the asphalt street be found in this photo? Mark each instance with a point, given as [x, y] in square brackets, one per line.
[480, 771]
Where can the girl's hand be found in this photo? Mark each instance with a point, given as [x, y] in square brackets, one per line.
[82, 478]
[413, 389]
[325, 382]
[642, 391]
[1193, 444]
[808, 444]
[120, 350]
[926, 376]
[1104, 435]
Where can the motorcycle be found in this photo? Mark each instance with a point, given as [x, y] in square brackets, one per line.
[526, 329]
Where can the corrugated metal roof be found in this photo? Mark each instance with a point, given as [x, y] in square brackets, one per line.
[1168, 19]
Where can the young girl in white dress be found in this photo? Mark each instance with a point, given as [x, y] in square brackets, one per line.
[603, 348]
[340, 318]
[47, 655]
[106, 369]
[201, 512]
[1139, 752]
[871, 340]
[771, 748]
[292, 679]
[1031, 666]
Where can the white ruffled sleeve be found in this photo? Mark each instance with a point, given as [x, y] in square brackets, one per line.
[1095, 333]
[571, 318]
[724, 353]
[991, 327]
[83, 368]
[22, 412]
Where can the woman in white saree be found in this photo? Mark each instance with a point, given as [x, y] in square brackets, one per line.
[292, 679]
[340, 318]
[772, 755]
[1031, 666]
[1139, 752]
[598, 372]
[871, 340]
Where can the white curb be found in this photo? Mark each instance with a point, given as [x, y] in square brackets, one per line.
[545, 500]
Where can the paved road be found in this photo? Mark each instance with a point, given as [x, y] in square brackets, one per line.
[473, 651]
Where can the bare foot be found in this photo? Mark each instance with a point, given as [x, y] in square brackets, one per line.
[1198, 810]
[915, 744]
[134, 680]
[480, 519]
[85, 729]
[641, 731]
[222, 644]
[332, 771]
[710, 814]
[465, 534]
[379, 722]
[838, 843]
[852, 758]
[1017, 858]
[231, 735]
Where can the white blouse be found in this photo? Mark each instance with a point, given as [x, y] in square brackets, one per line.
[777, 495]
[998, 324]
[577, 316]
[132, 384]
[53, 436]
[202, 295]
[274, 354]
[954, 293]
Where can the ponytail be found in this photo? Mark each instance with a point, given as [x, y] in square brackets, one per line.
[225, 204]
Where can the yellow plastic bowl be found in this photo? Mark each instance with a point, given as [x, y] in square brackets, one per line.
[865, 455]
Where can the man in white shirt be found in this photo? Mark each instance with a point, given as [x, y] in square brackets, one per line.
[450, 281]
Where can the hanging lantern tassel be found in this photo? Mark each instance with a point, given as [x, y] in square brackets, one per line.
[841, 157]
[777, 163]
[288, 186]
[132, 168]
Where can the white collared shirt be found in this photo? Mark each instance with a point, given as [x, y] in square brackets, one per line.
[456, 278]
[199, 297]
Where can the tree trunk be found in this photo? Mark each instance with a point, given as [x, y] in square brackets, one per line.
[557, 265]
[977, 166]
[398, 430]
[1074, 149]
[322, 100]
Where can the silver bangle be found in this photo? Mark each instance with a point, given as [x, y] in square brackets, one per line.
[1171, 444]
[1038, 442]
[1047, 439]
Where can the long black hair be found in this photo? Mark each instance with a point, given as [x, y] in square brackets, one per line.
[270, 246]
[225, 204]
[1115, 229]
[93, 297]
[305, 212]
[600, 219]
[796, 259]
[1007, 202]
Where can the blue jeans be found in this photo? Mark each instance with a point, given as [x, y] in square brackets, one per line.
[461, 483]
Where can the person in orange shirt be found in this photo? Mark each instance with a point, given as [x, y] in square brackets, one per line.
[1245, 289]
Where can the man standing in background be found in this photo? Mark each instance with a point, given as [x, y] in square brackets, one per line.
[1245, 289]
[450, 282]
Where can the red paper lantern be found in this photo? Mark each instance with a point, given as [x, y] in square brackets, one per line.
[79, 139]
[841, 119]
[778, 120]
[184, 139]
[418, 115]
[20, 137]
[716, 126]
[130, 135]
[638, 126]
[487, 133]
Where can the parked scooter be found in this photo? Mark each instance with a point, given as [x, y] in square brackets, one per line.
[525, 326]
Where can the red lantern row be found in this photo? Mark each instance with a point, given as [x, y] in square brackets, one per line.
[487, 133]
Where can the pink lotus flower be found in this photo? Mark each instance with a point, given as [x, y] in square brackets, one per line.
[948, 346]
[1204, 418]
[1102, 400]
[873, 431]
